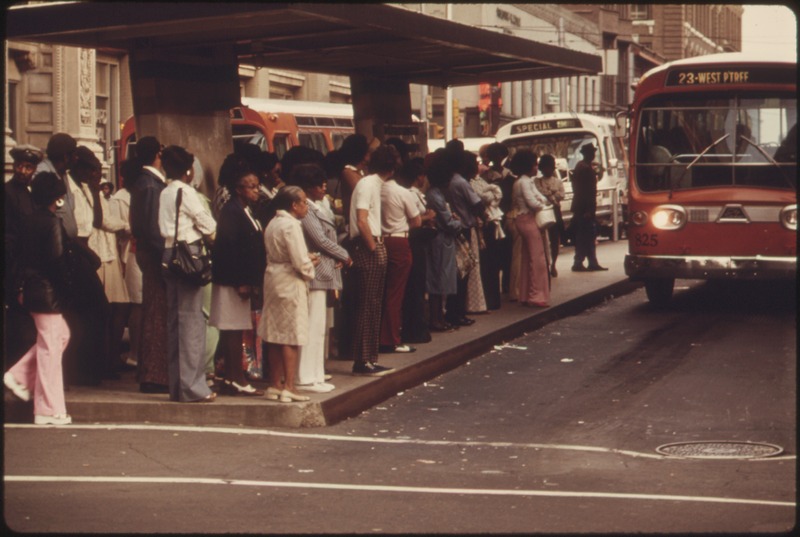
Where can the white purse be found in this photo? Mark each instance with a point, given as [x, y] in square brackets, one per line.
[546, 217]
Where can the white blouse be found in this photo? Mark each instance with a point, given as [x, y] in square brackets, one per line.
[527, 199]
[195, 220]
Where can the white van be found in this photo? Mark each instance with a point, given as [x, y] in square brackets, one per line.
[470, 144]
[562, 135]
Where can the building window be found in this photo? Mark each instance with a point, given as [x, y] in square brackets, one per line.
[641, 12]
[107, 107]
[282, 92]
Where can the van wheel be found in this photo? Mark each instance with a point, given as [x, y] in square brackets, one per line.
[659, 291]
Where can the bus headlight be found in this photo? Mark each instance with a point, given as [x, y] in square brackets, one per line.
[789, 217]
[668, 217]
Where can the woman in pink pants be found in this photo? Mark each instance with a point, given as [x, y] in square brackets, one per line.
[43, 276]
[534, 277]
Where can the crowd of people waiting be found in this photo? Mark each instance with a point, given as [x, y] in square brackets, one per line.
[357, 253]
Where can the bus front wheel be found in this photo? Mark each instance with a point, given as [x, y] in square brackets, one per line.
[659, 291]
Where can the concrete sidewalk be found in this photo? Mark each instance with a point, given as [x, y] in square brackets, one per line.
[120, 401]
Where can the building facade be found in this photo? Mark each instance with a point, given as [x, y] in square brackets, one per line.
[676, 31]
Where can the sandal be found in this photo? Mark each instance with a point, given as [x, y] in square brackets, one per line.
[210, 398]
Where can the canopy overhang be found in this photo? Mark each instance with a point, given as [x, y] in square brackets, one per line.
[365, 40]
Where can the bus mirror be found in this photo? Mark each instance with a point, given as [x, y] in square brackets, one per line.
[621, 126]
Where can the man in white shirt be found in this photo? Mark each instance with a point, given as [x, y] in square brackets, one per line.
[399, 213]
[369, 262]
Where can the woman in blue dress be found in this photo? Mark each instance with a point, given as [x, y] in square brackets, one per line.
[442, 271]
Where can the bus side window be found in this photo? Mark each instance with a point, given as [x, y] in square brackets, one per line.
[314, 140]
[337, 139]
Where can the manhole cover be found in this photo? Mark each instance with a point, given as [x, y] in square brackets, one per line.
[719, 450]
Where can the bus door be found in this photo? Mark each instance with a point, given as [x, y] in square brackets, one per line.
[281, 142]
[123, 148]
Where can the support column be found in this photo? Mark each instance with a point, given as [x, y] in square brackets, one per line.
[82, 85]
[9, 142]
[382, 109]
[183, 97]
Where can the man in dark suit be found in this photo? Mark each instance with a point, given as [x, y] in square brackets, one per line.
[584, 207]
[61, 155]
[152, 373]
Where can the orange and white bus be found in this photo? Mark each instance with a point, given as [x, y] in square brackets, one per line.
[276, 126]
[713, 175]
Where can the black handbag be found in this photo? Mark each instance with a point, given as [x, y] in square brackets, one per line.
[187, 261]
[39, 295]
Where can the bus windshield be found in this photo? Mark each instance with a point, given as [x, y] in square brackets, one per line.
[564, 146]
[688, 142]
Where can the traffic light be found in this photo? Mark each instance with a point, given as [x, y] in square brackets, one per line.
[436, 131]
[456, 113]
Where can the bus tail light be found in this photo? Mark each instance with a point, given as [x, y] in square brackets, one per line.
[789, 217]
[669, 217]
[639, 218]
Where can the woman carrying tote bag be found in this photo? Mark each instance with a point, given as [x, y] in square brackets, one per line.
[534, 281]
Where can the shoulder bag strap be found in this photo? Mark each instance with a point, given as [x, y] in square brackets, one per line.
[178, 200]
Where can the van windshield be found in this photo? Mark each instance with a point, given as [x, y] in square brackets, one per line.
[564, 146]
[687, 143]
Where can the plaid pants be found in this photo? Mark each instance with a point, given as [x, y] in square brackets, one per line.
[370, 274]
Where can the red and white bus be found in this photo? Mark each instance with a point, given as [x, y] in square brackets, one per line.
[713, 175]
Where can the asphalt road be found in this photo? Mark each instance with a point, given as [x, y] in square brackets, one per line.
[557, 434]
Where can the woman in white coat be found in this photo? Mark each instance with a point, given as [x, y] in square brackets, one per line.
[284, 319]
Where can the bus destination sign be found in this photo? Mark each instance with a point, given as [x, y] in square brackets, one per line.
[727, 77]
[546, 125]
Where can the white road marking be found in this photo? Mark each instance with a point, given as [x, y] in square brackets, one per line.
[388, 488]
[367, 439]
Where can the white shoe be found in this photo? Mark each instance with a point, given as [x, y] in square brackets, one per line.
[328, 377]
[273, 394]
[19, 390]
[317, 387]
[288, 397]
[58, 419]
